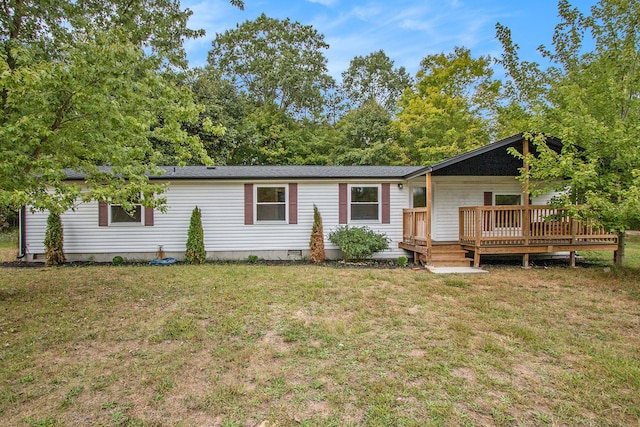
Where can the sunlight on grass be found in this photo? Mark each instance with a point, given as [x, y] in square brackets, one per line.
[313, 345]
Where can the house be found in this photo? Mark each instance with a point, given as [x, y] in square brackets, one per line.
[470, 204]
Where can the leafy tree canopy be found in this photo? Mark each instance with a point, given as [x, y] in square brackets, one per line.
[449, 109]
[364, 137]
[590, 100]
[276, 62]
[373, 77]
[86, 83]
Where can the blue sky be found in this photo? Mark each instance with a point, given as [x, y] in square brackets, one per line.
[407, 30]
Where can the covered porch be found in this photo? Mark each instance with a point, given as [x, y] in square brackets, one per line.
[476, 205]
[507, 230]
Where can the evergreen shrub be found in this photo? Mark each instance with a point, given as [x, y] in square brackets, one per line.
[195, 253]
[53, 241]
[316, 243]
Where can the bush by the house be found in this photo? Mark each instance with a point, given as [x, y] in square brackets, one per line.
[316, 243]
[403, 261]
[358, 243]
[195, 239]
[53, 241]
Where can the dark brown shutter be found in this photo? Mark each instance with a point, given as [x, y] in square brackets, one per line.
[386, 203]
[103, 214]
[248, 204]
[148, 217]
[293, 203]
[342, 203]
[488, 198]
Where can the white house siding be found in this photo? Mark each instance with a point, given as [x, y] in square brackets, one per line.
[450, 193]
[226, 235]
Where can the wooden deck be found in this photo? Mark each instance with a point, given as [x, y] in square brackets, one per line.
[523, 230]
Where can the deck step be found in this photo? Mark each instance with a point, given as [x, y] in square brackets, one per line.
[451, 263]
[457, 253]
[447, 255]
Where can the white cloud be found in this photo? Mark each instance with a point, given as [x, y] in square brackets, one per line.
[323, 2]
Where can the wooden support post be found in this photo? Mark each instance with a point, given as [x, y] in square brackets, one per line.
[526, 212]
[429, 195]
[525, 260]
[572, 259]
[476, 258]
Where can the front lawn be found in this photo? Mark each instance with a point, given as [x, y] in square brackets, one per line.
[238, 345]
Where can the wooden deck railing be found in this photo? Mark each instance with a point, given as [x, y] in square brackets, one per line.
[520, 225]
[415, 227]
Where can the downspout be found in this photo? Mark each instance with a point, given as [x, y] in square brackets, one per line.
[21, 232]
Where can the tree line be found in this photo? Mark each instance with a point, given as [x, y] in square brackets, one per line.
[86, 83]
[267, 85]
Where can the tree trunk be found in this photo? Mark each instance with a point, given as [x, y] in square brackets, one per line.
[618, 256]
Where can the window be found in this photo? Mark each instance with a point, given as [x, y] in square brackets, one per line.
[119, 214]
[365, 203]
[419, 195]
[508, 199]
[510, 217]
[271, 204]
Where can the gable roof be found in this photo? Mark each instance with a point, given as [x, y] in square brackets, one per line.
[279, 172]
[489, 160]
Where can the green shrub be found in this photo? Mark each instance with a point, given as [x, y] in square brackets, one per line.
[195, 240]
[316, 243]
[357, 243]
[252, 259]
[53, 241]
[117, 260]
[403, 261]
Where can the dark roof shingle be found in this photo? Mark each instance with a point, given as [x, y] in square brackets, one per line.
[281, 172]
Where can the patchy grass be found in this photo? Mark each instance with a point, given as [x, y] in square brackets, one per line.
[8, 245]
[236, 345]
[632, 253]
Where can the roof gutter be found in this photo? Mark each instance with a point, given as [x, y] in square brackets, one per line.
[425, 170]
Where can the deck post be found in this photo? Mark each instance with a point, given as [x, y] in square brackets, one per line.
[429, 191]
[413, 222]
[525, 260]
[572, 259]
[478, 236]
[526, 212]
[476, 258]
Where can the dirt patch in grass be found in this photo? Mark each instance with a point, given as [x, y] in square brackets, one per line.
[237, 345]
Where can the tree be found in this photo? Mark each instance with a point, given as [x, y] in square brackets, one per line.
[85, 84]
[276, 63]
[316, 243]
[224, 106]
[53, 241]
[195, 253]
[373, 78]
[365, 137]
[590, 100]
[450, 108]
